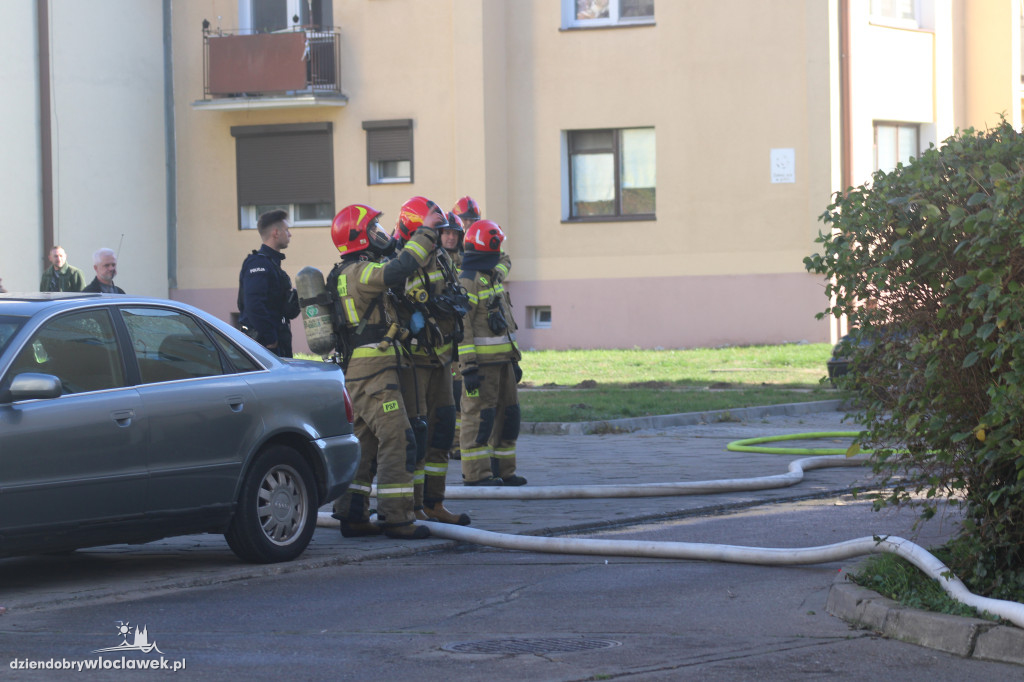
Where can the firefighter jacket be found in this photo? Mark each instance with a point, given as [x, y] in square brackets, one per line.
[442, 311]
[364, 312]
[489, 326]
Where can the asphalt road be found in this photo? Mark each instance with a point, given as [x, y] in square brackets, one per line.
[479, 614]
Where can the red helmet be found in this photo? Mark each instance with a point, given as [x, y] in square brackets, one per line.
[484, 236]
[467, 209]
[455, 223]
[412, 215]
[350, 226]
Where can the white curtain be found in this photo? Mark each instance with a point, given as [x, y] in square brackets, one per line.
[593, 177]
[638, 167]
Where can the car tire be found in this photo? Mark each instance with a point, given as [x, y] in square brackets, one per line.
[277, 507]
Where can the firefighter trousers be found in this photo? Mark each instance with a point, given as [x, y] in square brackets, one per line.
[490, 424]
[387, 449]
[435, 401]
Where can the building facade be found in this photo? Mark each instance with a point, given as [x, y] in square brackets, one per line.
[659, 167]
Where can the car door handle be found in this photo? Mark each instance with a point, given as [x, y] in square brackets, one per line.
[123, 417]
[236, 403]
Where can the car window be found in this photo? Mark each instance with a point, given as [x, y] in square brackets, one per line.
[170, 345]
[78, 348]
[241, 361]
[9, 325]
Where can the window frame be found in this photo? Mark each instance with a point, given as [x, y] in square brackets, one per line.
[393, 137]
[616, 150]
[569, 20]
[535, 314]
[898, 125]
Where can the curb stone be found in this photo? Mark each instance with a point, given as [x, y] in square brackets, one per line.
[963, 636]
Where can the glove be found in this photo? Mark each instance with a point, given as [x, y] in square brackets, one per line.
[518, 371]
[471, 379]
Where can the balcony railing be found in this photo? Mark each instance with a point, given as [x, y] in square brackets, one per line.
[287, 63]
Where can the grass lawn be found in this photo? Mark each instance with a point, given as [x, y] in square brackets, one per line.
[585, 385]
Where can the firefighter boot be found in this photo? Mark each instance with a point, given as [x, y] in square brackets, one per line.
[406, 531]
[437, 512]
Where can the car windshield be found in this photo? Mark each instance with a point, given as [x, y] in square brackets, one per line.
[8, 326]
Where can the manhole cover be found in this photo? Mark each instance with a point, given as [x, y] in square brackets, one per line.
[529, 646]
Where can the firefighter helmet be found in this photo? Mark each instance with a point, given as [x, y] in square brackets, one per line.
[467, 209]
[412, 215]
[484, 236]
[455, 223]
[351, 228]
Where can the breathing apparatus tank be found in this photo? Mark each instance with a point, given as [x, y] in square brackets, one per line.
[315, 306]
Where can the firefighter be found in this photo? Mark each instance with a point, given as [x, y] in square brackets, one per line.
[368, 332]
[489, 363]
[468, 212]
[451, 239]
[431, 293]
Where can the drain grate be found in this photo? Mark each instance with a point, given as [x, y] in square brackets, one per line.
[544, 645]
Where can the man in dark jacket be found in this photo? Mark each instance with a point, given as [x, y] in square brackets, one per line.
[104, 262]
[266, 299]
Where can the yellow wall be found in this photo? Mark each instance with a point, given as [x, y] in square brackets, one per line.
[492, 86]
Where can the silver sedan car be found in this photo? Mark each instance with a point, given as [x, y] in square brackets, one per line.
[126, 419]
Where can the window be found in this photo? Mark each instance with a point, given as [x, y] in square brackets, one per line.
[388, 151]
[285, 166]
[900, 13]
[79, 349]
[587, 13]
[611, 173]
[239, 360]
[539, 316]
[8, 326]
[894, 143]
[266, 16]
[169, 345]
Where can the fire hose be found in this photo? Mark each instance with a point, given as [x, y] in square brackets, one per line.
[765, 556]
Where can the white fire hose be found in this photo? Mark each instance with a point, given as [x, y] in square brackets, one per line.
[766, 556]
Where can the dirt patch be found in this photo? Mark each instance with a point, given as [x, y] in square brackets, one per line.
[587, 383]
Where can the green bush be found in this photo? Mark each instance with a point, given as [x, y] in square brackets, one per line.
[927, 261]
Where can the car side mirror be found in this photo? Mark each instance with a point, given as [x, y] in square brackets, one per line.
[32, 386]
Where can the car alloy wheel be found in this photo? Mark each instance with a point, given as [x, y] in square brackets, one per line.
[283, 499]
[276, 512]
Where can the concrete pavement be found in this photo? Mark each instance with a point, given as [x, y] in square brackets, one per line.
[658, 449]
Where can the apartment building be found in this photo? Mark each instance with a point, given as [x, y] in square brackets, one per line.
[658, 166]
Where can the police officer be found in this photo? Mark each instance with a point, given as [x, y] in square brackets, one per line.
[266, 300]
[489, 362]
[432, 292]
[369, 338]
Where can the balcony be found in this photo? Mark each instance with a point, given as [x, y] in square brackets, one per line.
[286, 69]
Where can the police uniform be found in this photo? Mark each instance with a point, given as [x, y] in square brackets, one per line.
[266, 301]
[372, 372]
[490, 414]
